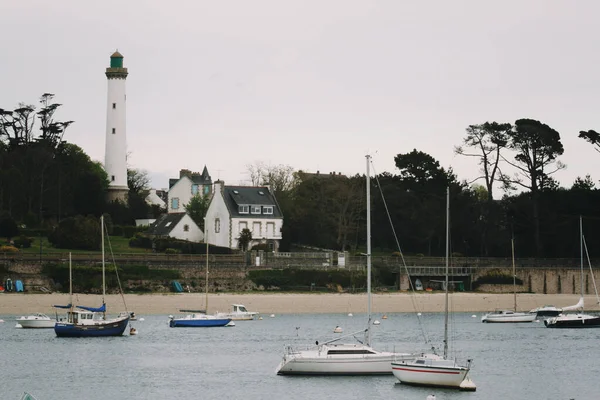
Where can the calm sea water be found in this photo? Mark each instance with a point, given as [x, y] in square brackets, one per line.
[511, 361]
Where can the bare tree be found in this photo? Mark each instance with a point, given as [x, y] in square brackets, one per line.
[279, 177]
[489, 139]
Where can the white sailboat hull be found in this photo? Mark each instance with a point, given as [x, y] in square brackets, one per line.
[426, 371]
[508, 317]
[331, 360]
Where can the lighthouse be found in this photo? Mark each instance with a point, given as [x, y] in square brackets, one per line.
[115, 156]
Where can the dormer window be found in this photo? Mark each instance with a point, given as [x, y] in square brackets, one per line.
[267, 209]
[256, 209]
[243, 209]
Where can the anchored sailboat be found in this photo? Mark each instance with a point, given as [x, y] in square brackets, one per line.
[432, 369]
[577, 320]
[90, 321]
[334, 357]
[510, 315]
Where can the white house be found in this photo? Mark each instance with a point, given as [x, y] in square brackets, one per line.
[189, 184]
[154, 199]
[177, 225]
[234, 208]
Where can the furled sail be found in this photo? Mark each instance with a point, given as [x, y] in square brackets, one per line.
[578, 306]
[59, 306]
[92, 309]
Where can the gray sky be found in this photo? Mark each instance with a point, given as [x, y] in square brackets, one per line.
[311, 84]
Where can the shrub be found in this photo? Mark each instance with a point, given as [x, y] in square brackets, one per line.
[172, 251]
[117, 230]
[141, 241]
[129, 231]
[78, 232]
[8, 249]
[23, 242]
[261, 246]
[8, 227]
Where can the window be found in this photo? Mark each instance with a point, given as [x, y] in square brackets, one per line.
[243, 225]
[194, 189]
[175, 203]
[114, 131]
[255, 209]
[217, 225]
[114, 105]
[243, 209]
[267, 210]
[206, 189]
[256, 231]
[270, 229]
[186, 228]
[112, 178]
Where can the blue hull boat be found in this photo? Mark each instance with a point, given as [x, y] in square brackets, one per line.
[198, 322]
[98, 329]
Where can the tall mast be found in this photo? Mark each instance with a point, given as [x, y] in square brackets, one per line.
[447, 269]
[71, 287]
[368, 251]
[103, 268]
[512, 245]
[206, 240]
[581, 249]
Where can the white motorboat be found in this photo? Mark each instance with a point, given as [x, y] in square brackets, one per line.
[334, 357]
[546, 311]
[432, 369]
[36, 321]
[510, 315]
[238, 313]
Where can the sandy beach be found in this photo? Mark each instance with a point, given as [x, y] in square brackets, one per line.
[288, 303]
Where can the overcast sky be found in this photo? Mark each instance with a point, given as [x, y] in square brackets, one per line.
[311, 84]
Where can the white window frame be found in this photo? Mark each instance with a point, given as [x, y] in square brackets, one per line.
[217, 225]
[173, 201]
[255, 209]
[267, 210]
[243, 209]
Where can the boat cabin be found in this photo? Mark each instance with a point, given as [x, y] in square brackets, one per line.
[81, 317]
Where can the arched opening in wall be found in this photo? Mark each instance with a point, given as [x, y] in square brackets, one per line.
[530, 287]
[574, 284]
[559, 288]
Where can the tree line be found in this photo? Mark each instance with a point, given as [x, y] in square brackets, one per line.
[44, 179]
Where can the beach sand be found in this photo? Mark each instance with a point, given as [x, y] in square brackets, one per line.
[288, 303]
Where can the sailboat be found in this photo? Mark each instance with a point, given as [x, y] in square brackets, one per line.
[577, 320]
[510, 315]
[433, 369]
[334, 357]
[85, 321]
[200, 318]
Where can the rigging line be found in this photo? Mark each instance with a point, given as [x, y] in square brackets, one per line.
[587, 254]
[413, 301]
[116, 269]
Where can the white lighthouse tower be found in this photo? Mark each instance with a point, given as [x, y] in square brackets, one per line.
[115, 157]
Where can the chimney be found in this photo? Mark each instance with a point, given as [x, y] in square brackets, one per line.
[219, 186]
[185, 172]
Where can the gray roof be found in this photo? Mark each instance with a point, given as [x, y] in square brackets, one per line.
[250, 195]
[197, 178]
[165, 224]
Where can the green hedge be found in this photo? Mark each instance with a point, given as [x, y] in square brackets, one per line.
[288, 279]
[89, 278]
[162, 244]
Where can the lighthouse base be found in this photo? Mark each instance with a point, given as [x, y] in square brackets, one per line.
[117, 193]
